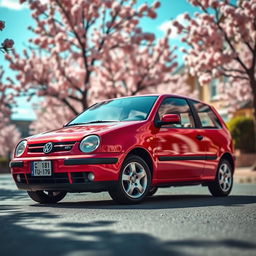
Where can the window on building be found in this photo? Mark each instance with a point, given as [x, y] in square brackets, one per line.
[214, 89]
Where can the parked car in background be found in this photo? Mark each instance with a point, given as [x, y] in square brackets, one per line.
[129, 147]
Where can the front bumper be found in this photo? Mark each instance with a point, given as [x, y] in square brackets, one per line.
[73, 161]
[69, 173]
[91, 186]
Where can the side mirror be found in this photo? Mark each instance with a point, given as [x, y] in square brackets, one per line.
[169, 119]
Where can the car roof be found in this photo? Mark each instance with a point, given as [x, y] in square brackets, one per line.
[160, 95]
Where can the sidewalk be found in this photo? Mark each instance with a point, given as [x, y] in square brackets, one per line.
[244, 175]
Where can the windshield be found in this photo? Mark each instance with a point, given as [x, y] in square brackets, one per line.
[123, 109]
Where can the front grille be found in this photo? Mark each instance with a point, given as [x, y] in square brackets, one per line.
[57, 147]
[79, 177]
[56, 178]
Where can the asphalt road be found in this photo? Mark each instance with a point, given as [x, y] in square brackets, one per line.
[176, 221]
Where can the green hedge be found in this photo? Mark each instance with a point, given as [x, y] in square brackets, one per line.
[242, 131]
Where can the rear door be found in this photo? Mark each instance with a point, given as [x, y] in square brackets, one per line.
[214, 137]
[180, 152]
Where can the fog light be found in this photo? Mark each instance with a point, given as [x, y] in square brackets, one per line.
[18, 178]
[91, 176]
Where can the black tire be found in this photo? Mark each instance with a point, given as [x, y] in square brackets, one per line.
[134, 181]
[152, 191]
[223, 183]
[47, 197]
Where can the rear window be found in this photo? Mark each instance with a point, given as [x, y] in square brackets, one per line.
[206, 116]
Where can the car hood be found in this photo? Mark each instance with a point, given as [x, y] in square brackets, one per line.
[76, 133]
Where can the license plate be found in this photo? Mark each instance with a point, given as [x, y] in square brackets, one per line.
[41, 168]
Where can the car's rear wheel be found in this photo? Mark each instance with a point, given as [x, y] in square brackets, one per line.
[224, 180]
[47, 197]
[152, 191]
[134, 181]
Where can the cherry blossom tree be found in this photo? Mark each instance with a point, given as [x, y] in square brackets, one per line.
[222, 43]
[6, 98]
[52, 114]
[87, 49]
[9, 135]
[5, 110]
[135, 70]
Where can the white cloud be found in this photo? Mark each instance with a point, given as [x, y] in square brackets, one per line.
[12, 4]
[168, 25]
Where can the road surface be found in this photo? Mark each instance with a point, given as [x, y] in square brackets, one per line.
[176, 221]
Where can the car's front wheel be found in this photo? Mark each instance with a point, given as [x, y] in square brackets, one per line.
[224, 180]
[46, 197]
[152, 191]
[134, 181]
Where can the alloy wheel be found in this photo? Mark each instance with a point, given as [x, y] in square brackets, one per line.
[225, 177]
[134, 180]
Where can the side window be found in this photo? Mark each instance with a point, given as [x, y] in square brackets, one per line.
[207, 117]
[177, 106]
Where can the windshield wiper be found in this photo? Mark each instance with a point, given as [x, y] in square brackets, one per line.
[73, 124]
[93, 122]
[101, 121]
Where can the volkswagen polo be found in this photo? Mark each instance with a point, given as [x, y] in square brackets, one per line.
[129, 147]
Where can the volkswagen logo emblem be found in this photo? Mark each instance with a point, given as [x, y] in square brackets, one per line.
[48, 147]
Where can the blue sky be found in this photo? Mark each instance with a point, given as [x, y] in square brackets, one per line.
[17, 18]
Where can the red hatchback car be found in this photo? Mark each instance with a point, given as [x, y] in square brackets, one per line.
[129, 147]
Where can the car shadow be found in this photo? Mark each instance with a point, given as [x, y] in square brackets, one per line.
[8, 194]
[161, 202]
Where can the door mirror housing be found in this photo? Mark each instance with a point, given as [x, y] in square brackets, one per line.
[169, 119]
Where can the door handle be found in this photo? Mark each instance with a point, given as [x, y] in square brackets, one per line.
[199, 137]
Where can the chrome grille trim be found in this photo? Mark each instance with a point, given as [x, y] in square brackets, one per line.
[57, 147]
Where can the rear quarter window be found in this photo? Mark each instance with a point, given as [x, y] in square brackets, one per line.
[207, 117]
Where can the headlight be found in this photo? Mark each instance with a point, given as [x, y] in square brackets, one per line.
[20, 148]
[89, 143]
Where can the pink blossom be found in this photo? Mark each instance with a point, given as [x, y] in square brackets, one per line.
[116, 6]
[156, 4]
[37, 41]
[128, 48]
[108, 3]
[214, 3]
[149, 36]
[152, 14]
[2, 25]
[134, 22]
[8, 43]
[143, 8]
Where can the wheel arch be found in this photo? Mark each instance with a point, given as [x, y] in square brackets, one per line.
[227, 156]
[145, 155]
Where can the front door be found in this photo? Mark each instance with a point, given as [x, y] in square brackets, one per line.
[180, 150]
